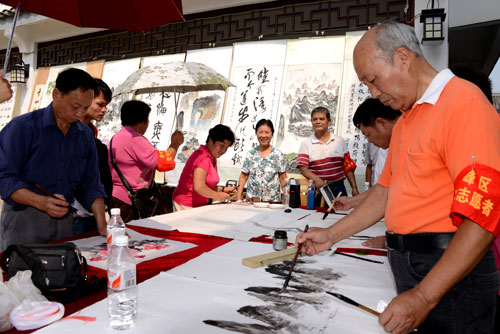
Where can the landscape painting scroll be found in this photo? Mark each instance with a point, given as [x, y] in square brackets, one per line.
[312, 78]
[199, 111]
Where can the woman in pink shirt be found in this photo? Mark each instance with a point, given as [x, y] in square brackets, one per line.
[136, 158]
[199, 178]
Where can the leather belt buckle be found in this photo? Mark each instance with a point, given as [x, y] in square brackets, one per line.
[389, 237]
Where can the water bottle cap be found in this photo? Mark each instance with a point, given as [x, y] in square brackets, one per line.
[121, 240]
[115, 211]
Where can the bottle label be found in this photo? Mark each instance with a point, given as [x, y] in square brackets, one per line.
[113, 233]
[119, 280]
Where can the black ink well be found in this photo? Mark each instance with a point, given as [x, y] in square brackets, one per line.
[280, 240]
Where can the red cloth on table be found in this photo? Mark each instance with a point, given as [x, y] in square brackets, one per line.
[147, 269]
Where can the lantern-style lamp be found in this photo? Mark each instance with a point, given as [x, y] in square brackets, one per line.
[433, 25]
[19, 73]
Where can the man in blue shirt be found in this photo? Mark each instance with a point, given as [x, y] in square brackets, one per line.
[51, 148]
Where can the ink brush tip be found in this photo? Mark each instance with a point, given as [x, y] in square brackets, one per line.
[285, 285]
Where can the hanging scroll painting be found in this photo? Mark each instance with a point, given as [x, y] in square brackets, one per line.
[161, 118]
[7, 108]
[354, 93]
[199, 111]
[312, 78]
[257, 73]
[113, 74]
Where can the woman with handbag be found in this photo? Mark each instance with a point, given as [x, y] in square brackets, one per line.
[199, 178]
[133, 161]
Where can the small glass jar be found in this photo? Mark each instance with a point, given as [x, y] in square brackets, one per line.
[280, 241]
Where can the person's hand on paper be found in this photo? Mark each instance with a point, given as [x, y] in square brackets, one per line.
[315, 240]
[406, 312]
[376, 242]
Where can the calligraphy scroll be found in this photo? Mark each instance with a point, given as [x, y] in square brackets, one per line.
[161, 118]
[354, 93]
[257, 73]
[7, 108]
[37, 97]
[113, 74]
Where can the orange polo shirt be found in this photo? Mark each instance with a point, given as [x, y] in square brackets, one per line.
[431, 145]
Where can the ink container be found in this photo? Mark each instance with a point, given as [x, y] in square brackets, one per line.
[280, 240]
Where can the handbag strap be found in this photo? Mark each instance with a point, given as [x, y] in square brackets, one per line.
[118, 171]
[29, 257]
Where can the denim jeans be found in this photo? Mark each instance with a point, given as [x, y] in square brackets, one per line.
[468, 308]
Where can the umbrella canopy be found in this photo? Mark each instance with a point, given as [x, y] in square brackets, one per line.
[178, 77]
[130, 15]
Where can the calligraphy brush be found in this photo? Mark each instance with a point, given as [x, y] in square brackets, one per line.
[285, 285]
[331, 206]
[48, 193]
[352, 302]
[357, 257]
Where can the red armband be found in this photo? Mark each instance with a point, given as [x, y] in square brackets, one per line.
[477, 197]
[349, 164]
[165, 161]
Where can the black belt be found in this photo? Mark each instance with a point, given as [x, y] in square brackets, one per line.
[336, 183]
[418, 242]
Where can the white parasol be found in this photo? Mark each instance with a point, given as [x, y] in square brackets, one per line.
[177, 77]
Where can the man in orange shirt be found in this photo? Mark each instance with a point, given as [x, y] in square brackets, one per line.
[439, 190]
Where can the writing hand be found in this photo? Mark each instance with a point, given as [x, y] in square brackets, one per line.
[176, 139]
[221, 196]
[315, 240]
[55, 207]
[230, 190]
[343, 203]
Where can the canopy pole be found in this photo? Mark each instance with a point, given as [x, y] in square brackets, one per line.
[176, 101]
[7, 54]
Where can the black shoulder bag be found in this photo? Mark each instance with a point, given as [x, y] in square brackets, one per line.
[58, 270]
[145, 202]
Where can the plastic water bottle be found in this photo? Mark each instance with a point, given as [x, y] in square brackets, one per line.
[311, 192]
[122, 288]
[115, 227]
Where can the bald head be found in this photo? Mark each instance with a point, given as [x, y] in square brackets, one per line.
[389, 61]
[387, 37]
